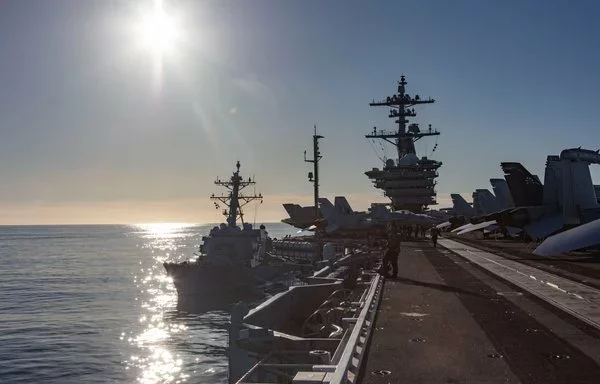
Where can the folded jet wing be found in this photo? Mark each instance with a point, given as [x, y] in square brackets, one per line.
[586, 235]
[476, 227]
[458, 229]
[443, 225]
[439, 216]
[380, 214]
[300, 217]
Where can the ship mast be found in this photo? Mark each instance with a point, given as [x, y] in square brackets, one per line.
[313, 177]
[400, 105]
[409, 180]
[234, 201]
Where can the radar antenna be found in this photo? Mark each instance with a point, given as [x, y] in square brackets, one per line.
[234, 200]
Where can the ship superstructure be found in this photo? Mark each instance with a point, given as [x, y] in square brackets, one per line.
[234, 200]
[232, 259]
[409, 181]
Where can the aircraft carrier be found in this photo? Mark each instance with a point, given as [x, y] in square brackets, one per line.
[468, 310]
[458, 313]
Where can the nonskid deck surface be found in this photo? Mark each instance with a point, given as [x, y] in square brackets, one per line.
[583, 267]
[575, 298]
[448, 320]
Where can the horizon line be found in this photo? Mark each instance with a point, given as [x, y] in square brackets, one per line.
[126, 224]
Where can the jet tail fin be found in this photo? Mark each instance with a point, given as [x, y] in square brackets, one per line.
[460, 205]
[327, 209]
[342, 205]
[578, 193]
[485, 202]
[525, 188]
[502, 193]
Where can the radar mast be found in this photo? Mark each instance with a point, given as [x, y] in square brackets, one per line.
[234, 200]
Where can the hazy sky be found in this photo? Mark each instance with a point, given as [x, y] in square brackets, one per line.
[95, 127]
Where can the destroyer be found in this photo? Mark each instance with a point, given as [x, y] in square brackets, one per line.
[232, 259]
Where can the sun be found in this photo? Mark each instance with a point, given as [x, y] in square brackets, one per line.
[157, 31]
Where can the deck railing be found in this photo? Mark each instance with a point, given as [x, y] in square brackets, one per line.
[342, 367]
[348, 367]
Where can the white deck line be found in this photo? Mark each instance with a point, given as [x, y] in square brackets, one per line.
[574, 298]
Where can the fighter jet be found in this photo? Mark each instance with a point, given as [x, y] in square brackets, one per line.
[567, 197]
[341, 216]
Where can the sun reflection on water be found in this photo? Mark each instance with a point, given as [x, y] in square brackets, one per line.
[164, 341]
[155, 358]
[164, 230]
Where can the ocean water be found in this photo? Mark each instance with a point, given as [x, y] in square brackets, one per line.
[92, 304]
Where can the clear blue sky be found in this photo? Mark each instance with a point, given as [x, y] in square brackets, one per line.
[91, 130]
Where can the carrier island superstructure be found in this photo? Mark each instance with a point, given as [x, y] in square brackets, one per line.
[409, 181]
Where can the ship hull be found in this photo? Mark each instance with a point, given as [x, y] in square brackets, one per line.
[218, 285]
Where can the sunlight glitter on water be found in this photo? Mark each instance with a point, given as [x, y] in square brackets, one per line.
[171, 341]
[164, 230]
[155, 360]
[85, 326]
[160, 366]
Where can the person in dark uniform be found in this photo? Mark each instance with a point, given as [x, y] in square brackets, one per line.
[434, 236]
[390, 257]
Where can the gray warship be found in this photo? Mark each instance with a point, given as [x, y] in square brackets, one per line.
[233, 260]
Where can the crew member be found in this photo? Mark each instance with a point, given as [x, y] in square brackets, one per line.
[390, 257]
[434, 236]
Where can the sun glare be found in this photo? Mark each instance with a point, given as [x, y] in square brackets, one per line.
[158, 32]
[163, 229]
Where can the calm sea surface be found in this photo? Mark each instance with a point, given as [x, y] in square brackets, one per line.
[92, 304]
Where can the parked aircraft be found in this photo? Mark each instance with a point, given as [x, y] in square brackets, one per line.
[341, 216]
[567, 197]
